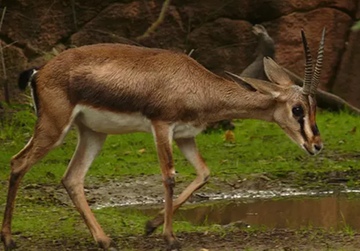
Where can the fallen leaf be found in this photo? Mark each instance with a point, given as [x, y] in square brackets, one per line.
[141, 151]
[229, 136]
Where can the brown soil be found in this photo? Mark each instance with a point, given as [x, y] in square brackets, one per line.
[277, 239]
[149, 190]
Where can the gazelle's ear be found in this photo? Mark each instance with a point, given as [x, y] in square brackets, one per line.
[275, 73]
[264, 87]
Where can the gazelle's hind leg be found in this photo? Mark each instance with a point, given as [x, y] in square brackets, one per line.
[49, 132]
[188, 147]
[89, 145]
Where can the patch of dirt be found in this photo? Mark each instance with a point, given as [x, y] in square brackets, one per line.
[277, 239]
[145, 190]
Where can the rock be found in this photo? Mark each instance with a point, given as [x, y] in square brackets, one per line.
[347, 82]
[289, 50]
[116, 24]
[123, 23]
[224, 45]
[202, 11]
[44, 23]
[171, 34]
[219, 31]
[236, 224]
[15, 62]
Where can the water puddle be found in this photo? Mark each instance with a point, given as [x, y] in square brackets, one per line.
[135, 198]
[335, 211]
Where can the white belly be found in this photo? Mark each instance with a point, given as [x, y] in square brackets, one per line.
[186, 131]
[122, 123]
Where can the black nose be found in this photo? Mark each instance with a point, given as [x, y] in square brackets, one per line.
[317, 147]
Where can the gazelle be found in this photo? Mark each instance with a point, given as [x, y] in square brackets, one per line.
[115, 89]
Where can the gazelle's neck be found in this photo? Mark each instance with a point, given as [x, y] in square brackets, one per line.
[239, 103]
[252, 105]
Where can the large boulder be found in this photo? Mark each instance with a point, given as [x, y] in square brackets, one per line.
[43, 23]
[201, 11]
[289, 50]
[224, 44]
[15, 62]
[219, 31]
[347, 82]
[123, 23]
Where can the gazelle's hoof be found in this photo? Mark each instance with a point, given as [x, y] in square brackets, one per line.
[149, 228]
[105, 244]
[9, 243]
[152, 225]
[173, 245]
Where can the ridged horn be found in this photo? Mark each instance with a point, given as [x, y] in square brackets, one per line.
[318, 66]
[308, 66]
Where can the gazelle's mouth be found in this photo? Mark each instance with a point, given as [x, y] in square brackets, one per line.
[308, 150]
[316, 149]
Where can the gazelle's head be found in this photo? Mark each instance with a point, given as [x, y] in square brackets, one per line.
[295, 107]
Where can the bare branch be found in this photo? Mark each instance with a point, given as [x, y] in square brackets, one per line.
[6, 87]
[74, 14]
[120, 39]
[1, 47]
[160, 19]
[9, 45]
[191, 52]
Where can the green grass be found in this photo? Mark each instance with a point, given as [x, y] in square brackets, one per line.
[259, 147]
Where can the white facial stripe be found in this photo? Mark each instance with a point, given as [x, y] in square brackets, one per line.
[307, 128]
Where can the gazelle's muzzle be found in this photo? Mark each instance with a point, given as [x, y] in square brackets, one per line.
[313, 146]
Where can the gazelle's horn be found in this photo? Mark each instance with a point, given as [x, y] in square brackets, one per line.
[318, 66]
[308, 66]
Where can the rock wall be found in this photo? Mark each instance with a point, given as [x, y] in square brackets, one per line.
[219, 32]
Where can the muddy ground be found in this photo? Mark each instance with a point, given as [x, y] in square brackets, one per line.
[277, 239]
[148, 190]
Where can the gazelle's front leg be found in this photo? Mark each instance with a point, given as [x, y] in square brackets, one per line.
[163, 134]
[191, 153]
[89, 145]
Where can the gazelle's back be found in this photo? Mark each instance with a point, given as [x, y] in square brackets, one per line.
[157, 83]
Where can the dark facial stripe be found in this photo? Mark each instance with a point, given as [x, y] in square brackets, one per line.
[315, 130]
[302, 128]
[312, 120]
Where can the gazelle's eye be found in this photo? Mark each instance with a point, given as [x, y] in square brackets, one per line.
[298, 111]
